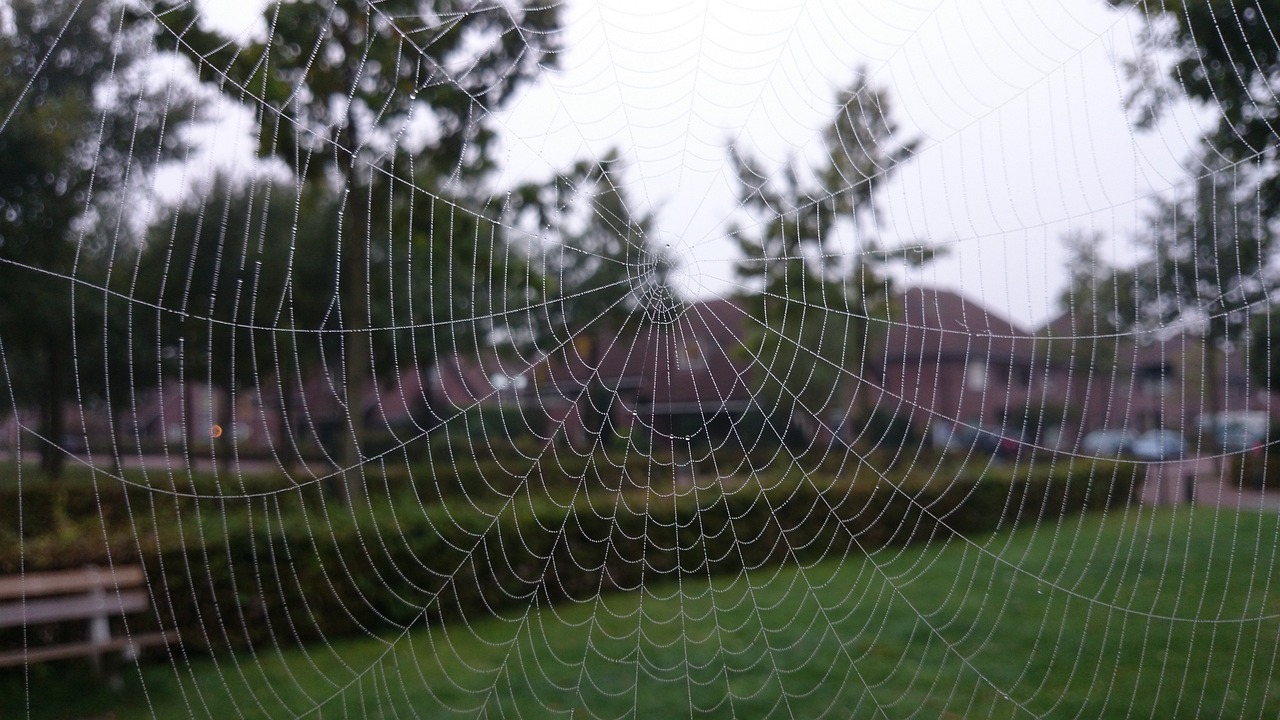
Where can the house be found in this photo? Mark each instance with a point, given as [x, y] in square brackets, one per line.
[945, 359]
[1152, 380]
[483, 395]
[174, 413]
[681, 380]
[941, 360]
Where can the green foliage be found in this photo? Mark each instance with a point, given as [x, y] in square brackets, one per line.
[86, 124]
[1066, 619]
[598, 269]
[808, 330]
[341, 85]
[1263, 348]
[1213, 251]
[390, 105]
[1225, 56]
[1101, 303]
[1212, 265]
[807, 346]
[600, 250]
[1210, 270]
[499, 549]
[227, 275]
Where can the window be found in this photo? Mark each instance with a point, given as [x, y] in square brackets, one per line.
[975, 376]
[693, 354]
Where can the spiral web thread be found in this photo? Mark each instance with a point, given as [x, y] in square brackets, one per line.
[635, 488]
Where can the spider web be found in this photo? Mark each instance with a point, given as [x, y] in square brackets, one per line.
[744, 361]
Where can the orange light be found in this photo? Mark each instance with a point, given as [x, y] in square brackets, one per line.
[215, 431]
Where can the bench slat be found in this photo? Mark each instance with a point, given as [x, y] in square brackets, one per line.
[82, 607]
[76, 595]
[13, 658]
[65, 582]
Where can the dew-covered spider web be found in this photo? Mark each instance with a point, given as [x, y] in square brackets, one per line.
[398, 358]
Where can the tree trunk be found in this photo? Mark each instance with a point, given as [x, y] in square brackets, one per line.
[53, 423]
[288, 449]
[222, 446]
[1212, 388]
[1213, 384]
[357, 343]
[188, 408]
[354, 288]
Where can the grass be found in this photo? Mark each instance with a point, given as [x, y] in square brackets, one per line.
[1172, 613]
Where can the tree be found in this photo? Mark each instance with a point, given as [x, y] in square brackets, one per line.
[1263, 355]
[599, 265]
[1225, 55]
[1214, 250]
[1102, 303]
[382, 101]
[597, 256]
[809, 323]
[1212, 261]
[85, 123]
[230, 276]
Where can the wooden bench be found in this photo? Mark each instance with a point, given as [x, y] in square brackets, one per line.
[93, 594]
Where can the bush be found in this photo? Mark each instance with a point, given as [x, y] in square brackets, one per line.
[287, 568]
[1255, 469]
[881, 428]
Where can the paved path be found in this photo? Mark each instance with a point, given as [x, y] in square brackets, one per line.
[1203, 481]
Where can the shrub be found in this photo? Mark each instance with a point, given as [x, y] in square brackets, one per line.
[1255, 469]
[882, 428]
[285, 567]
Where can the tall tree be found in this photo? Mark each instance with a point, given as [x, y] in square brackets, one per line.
[1213, 258]
[594, 247]
[1263, 353]
[1102, 302]
[380, 99]
[598, 264]
[231, 274]
[1211, 263]
[1225, 55]
[83, 124]
[809, 315]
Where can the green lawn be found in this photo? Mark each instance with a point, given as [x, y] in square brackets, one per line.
[1147, 614]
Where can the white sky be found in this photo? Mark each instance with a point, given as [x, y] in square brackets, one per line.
[1018, 107]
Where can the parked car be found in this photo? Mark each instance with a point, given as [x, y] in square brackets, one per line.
[1107, 443]
[1237, 431]
[982, 440]
[1159, 445]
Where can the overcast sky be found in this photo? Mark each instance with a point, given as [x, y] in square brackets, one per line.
[1018, 108]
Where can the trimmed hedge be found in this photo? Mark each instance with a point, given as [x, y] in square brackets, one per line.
[45, 505]
[1256, 470]
[288, 568]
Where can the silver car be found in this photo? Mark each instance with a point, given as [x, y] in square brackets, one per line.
[1159, 445]
[1107, 443]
